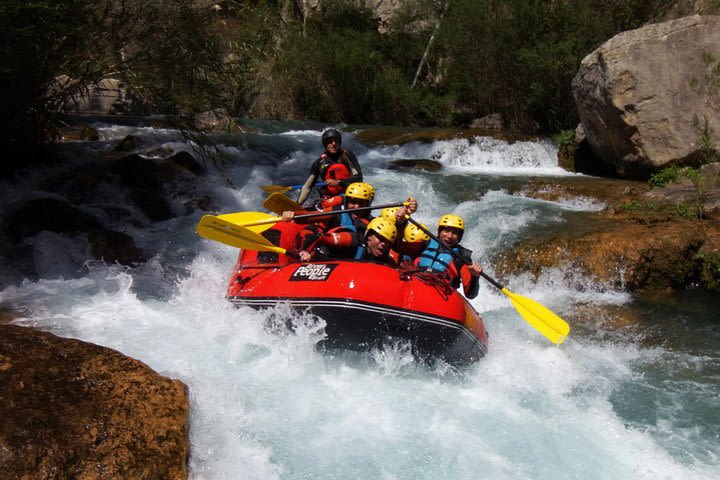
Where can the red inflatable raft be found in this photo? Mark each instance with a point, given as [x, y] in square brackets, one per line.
[362, 303]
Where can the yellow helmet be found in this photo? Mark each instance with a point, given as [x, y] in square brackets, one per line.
[360, 191]
[451, 220]
[414, 234]
[389, 213]
[382, 227]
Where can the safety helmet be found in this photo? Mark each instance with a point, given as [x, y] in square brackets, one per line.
[414, 234]
[451, 220]
[390, 213]
[360, 191]
[382, 227]
[329, 134]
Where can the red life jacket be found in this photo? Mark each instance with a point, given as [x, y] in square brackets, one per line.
[336, 171]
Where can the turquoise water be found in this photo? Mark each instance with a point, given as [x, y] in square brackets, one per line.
[631, 394]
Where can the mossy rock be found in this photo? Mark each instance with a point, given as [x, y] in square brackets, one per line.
[420, 164]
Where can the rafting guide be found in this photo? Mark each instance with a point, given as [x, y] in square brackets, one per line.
[336, 168]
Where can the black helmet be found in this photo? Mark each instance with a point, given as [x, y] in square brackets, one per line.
[331, 133]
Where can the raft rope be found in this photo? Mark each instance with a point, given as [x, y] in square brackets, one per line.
[441, 280]
[261, 269]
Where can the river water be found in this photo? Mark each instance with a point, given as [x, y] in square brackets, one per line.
[632, 393]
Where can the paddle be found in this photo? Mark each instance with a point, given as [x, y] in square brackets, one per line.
[282, 189]
[538, 316]
[279, 203]
[259, 222]
[215, 228]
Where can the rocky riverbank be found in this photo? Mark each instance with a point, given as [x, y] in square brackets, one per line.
[71, 409]
[646, 239]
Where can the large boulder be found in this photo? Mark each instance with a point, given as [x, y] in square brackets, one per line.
[72, 409]
[645, 97]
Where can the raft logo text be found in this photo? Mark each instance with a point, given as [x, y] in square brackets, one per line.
[318, 272]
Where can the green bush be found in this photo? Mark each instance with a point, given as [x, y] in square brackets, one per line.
[342, 69]
[665, 176]
[513, 57]
[165, 51]
[565, 138]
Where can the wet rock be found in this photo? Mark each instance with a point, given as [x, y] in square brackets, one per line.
[421, 164]
[493, 121]
[57, 215]
[112, 246]
[127, 144]
[653, 256]
[87, 184]
[400, 135]
[186, 161]
[71, 409]
[52, 214]
[77, 134]
[579, 157]
[216, 121]
[159, 152]
[605, 191]
[142, 177]
[640, 239]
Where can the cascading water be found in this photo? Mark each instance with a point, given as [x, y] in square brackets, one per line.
[614, 401]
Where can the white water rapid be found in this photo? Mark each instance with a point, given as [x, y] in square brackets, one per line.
[265, 405]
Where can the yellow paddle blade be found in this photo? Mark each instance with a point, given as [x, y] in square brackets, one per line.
[279, 203]
[540, 317]
[222, 231]
[275, 189]
[255, 221]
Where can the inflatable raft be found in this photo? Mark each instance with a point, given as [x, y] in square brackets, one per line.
[363, 303]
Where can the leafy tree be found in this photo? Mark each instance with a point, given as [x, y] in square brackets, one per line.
[343, 69]
[518, 57]
[164, 50]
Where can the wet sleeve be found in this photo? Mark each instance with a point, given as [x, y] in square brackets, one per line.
[312, 178]
[471, 283]
[313, 220]
[309, 238]
[335, 201]
[343, 239]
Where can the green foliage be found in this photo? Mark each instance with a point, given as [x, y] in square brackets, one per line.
[694, 208]
[330, 63]
[629, 206]
[165, 51]
[686, 210]
[708, 148]
[665, 176]
[518, 57]
[342, 69]
[565, 138]
[710, 264]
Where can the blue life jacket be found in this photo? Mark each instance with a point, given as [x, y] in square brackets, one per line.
[435, 258]
[346, 221]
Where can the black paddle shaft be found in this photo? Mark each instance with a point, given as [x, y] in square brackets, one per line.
[349, 210]
[453, 252]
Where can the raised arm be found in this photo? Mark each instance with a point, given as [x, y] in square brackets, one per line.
[307, 188]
